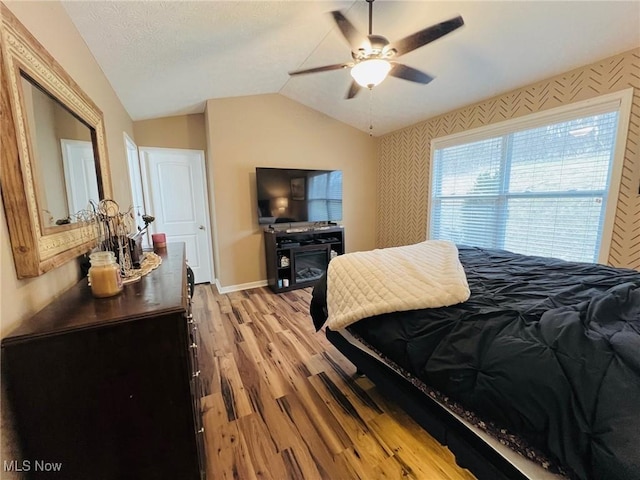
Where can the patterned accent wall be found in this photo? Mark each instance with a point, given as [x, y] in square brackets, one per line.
[403, 169]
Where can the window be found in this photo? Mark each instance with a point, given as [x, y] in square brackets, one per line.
[325, 196]
[533, 187]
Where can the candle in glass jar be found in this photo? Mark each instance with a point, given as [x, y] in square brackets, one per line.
[159, 240]
[104, 275]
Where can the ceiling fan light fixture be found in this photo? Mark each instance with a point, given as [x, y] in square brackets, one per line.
[369, 73]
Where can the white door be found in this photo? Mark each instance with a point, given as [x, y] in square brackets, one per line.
[79, 167]
[176, 195]
[135, 178]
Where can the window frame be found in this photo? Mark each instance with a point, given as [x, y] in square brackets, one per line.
[620, 100]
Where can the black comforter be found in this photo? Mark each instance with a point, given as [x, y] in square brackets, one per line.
[549, 349]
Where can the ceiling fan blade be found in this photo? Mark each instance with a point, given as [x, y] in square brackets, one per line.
[326, 68]
[427, 35]
[354, 37]
[408, 73]
[353, 90]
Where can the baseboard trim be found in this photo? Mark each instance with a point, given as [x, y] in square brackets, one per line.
[241, 286]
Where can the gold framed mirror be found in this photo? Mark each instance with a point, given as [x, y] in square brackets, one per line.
[37, 188]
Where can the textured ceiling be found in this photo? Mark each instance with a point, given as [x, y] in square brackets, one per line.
[168, 58]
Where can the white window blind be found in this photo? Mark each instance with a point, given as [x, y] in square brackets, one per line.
[536, 191]
[325, 196]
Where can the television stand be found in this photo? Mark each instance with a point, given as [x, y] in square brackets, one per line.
[298, 257]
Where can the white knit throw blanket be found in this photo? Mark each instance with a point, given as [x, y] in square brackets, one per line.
[363, 284]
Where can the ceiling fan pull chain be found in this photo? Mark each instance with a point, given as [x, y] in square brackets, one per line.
[370, 111]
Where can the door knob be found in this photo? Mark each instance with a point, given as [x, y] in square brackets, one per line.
[201, 227]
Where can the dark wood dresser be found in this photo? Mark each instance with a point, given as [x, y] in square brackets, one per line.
[109, 388]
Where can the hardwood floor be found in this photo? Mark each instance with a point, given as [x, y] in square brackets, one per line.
[280, 402]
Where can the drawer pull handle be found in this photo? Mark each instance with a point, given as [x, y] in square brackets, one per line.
[193, 345]
[196, 374]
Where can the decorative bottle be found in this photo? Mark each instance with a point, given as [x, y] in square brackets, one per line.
[104, 275]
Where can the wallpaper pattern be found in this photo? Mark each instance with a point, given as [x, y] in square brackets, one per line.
[403, 168]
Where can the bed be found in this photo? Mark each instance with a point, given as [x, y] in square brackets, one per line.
[543, 356]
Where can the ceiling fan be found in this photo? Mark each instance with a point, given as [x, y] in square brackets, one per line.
[373, 55]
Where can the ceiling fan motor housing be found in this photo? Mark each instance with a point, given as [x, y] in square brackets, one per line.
[378, 47]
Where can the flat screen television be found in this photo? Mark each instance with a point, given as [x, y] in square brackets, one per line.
[287, 195]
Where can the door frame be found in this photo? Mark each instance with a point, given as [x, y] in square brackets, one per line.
[147, 200]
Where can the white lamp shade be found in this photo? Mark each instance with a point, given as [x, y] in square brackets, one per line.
[282, 203]
[370, 73]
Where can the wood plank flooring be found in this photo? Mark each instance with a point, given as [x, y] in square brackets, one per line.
[280, 402]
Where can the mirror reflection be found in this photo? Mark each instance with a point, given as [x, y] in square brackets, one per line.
[64, 167]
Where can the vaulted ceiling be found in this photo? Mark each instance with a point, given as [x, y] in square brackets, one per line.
[168, 58]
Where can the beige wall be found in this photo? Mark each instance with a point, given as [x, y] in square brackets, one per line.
[51, 26]
[182, 131]
[46, 148]
[404, 156]
[273, 131]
